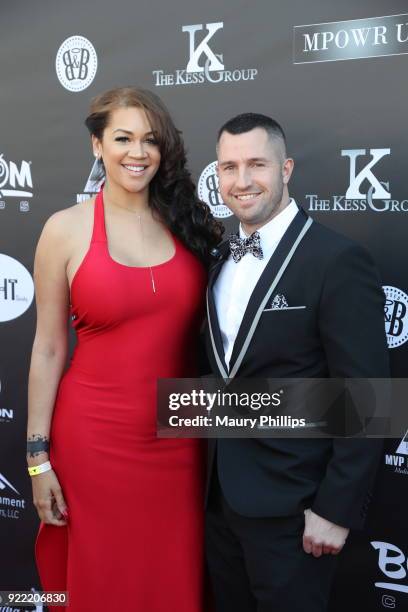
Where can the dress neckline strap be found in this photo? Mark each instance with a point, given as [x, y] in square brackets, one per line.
[99, 229]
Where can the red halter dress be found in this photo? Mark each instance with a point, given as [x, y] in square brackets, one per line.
[134, 540]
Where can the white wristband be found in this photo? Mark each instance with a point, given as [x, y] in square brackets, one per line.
[40, 469]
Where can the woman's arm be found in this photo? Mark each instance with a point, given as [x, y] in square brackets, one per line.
[48, 357]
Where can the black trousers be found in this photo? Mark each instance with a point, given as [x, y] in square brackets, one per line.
[258, 565]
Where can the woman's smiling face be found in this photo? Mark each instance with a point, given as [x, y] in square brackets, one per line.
[129, 150]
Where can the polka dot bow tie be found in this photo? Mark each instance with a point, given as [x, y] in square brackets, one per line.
[240, 246]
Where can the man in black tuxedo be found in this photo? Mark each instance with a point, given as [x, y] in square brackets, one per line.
[287, 298]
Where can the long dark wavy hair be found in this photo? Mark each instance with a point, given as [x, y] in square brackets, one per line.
[171, 192]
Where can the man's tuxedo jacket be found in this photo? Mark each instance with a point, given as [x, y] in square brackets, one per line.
[338, 332]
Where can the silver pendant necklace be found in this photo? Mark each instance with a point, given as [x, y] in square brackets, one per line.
[143, 241]
[143, 247]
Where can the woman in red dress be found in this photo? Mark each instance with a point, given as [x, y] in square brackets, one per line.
[121, 510]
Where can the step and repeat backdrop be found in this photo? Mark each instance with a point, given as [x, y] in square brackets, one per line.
[332, 73]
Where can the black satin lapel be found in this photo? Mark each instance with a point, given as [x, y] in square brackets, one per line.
[215, 267]
[212, 310]
[265, 280]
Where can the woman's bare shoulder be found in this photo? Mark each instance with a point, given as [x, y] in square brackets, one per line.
[70, 222]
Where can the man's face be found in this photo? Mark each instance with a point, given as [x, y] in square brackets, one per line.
[253, 174]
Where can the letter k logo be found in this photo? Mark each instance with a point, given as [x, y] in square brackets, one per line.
[196, 53]
[353, 192]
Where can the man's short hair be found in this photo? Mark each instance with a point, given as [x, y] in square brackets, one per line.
[249, 121]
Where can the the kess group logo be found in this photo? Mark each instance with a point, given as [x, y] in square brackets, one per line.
[393, 565]
[16, 288]
[76, 63]
[15, 182]
[209, 192]
[205, 62]
[367, 189]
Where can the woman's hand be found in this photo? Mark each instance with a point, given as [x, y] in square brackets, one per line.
[49, 500]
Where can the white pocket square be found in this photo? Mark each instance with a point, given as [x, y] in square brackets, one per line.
[284, 308]
[279, 302]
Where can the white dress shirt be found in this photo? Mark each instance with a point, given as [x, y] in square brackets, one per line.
[236, 281]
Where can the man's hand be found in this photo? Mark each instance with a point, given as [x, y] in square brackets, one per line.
[321, 536]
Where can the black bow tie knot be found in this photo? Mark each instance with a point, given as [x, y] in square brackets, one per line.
[240, 246]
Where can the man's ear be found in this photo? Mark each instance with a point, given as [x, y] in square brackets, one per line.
[287, 169]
